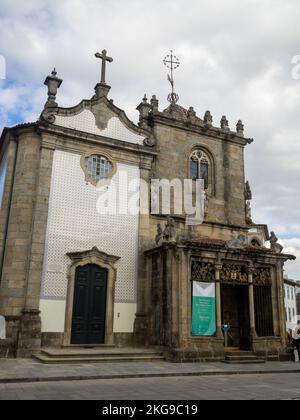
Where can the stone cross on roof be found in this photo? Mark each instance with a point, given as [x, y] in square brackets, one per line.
[103, 56]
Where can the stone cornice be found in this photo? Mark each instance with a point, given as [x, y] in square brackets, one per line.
[199, 128]
[60, 133]
[264, 256]
[182, 219]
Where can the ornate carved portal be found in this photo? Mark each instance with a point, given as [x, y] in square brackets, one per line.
[236, 282]
[104, 261]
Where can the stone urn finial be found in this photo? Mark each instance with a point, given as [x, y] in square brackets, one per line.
[154, 103]
[144, 109]
[53, 83]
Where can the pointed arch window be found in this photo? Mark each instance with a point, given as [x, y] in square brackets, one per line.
[199, 167]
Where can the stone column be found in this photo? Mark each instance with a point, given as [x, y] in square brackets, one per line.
[251, 303]
[19, 232]
[218, 268]
[141, 320]
[30, 327]
[281, 305]
[9, 159]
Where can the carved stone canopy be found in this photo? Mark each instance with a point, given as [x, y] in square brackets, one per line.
[92, 255]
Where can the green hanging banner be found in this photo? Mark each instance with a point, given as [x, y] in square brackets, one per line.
[204, 309]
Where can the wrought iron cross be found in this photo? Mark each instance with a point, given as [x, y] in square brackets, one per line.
[103, 56]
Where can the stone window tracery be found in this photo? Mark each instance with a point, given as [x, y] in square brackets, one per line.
[199, 167]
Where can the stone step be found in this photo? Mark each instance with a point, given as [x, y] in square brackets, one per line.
[241, 358]
[89, 346]
[239, 353]
[87, 353]
[243, 362]
[98, 359]
[245, 357]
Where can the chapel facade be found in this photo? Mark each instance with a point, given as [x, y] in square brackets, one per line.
[72, 276]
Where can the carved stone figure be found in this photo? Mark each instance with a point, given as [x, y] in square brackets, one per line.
[159, 235]
[275, 246]
[191, 115]
[224, 123]
[248, 192]
[206, 203]
[249, 220]
[240, 128]
[169, 231]
[236, 243]
[208, 120]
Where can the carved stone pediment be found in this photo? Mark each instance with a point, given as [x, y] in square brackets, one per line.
[99, 116]
[93, 255]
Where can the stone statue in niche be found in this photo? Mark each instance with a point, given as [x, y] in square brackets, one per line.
[236, 243]
[275, 246]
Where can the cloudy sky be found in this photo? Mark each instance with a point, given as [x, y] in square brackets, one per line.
[236, 59]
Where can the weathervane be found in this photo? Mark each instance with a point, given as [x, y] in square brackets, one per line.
[172, 62]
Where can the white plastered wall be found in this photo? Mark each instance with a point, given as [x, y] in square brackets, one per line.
[75, 225]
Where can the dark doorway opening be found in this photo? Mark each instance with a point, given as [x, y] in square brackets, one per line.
[235, 313]
[89, 306]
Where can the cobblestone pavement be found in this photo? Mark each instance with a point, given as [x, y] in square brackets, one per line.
[237, 387]
[28, 370]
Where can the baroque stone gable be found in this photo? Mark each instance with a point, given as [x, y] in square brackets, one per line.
[99, 117]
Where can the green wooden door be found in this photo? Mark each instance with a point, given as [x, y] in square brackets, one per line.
[89, 307]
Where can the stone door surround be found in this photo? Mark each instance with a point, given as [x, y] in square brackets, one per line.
[103, 260]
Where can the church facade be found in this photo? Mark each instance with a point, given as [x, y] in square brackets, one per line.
[74, 276]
